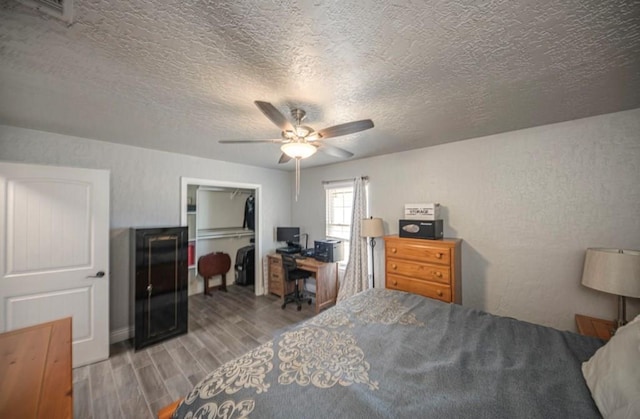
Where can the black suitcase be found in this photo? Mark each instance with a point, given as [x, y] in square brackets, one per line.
[245, 261]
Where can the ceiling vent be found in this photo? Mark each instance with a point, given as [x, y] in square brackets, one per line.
[61, 9]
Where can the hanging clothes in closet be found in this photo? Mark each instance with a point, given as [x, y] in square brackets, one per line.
[249, 213]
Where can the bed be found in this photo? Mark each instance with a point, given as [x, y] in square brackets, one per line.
[385, 353]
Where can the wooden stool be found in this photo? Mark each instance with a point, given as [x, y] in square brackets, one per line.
[213, 264]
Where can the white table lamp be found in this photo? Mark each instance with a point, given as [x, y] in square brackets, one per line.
[616, 271]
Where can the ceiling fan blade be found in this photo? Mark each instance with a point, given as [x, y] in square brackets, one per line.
[248, 141]
[334, 151]
[284, 158]
[344, 129]
[274, 115]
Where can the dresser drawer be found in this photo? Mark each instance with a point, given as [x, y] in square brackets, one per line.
[275, 263]
[417, 270]
[276, 288]
[277, 284]
[276, 270]
[276, 276]
[415, 249]
[428, 289]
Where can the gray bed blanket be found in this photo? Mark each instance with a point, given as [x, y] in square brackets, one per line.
[390, 354]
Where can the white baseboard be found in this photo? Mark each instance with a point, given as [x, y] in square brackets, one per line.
[121, 334]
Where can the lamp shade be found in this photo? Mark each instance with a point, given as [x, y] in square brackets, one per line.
[372, 227]
[298, 150]
[616, 271]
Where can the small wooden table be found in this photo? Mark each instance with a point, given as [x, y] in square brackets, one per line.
[598, 328]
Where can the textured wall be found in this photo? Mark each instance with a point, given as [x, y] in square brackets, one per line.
[145, 190]
[527, 204]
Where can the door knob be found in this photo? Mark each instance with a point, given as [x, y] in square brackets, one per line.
[98, 274]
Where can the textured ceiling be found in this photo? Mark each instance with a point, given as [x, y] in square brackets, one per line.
[180, 75]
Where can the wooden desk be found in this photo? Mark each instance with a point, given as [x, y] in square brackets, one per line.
[592, 326]
[326, 275]
[35, 366]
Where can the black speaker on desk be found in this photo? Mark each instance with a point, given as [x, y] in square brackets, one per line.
[328, 250]
[308, 253]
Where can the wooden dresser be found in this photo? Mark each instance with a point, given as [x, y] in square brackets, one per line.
[35, 371]
[427, 267]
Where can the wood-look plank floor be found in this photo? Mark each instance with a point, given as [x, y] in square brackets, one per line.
[221, 327]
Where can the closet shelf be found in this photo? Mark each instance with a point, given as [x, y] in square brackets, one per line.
[218, 233]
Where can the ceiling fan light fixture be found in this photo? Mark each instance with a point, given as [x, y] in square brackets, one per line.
[302, 131]
[289, 135]
[298, 150]
[301, 141]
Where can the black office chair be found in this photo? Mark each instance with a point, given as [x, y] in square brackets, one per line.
[294, 274]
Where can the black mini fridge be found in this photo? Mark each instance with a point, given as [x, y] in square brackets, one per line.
[159, 283]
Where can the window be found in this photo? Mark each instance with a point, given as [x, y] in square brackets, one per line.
[339, 198]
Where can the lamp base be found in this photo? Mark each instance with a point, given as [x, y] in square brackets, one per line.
[372, 243]
[622, 311]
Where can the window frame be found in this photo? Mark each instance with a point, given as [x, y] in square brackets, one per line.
[331, 188]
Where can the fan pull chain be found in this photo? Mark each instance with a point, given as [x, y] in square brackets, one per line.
[297, 177]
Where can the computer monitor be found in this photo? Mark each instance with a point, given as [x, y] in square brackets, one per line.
[290, 235]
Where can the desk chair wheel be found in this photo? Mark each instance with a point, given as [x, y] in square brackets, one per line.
[309, 301]
[283, 306]
[299, 308]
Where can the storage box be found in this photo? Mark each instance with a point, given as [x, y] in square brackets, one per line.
[422, 211]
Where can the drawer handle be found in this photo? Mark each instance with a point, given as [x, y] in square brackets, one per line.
[438, 274]
[394, 250]
[395, 282]
[440, 293]
[394, 266]
[439, 255]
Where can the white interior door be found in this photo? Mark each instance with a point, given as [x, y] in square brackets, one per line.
[54, 252]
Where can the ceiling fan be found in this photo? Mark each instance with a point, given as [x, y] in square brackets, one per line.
[301, 141]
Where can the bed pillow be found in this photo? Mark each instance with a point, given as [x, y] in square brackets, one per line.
[613, 374]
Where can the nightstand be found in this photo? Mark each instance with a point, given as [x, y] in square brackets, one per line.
[598, 328]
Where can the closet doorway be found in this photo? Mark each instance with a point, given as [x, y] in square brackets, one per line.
[216, 213]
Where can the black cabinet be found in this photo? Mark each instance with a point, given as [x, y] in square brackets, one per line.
[159, 283]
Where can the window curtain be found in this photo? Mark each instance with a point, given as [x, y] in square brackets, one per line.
[356, 275]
